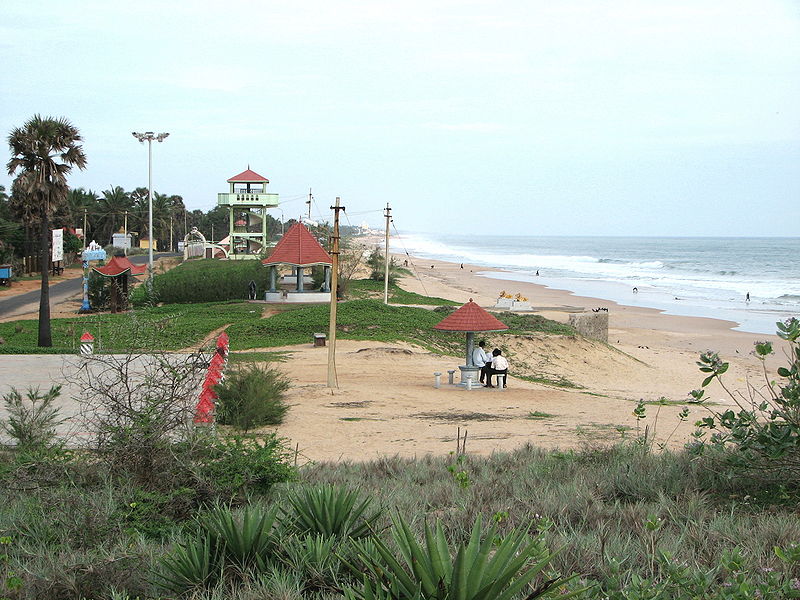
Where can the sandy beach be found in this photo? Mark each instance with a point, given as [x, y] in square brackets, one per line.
[386, 402]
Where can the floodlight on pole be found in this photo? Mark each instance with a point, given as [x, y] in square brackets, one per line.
[149, 136]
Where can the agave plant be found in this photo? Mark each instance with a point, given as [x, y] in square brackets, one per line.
[486, 568]
[313, 557]
[330, 511]
[193, 564]
[245, 541]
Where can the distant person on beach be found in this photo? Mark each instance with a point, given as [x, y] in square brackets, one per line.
[405, 263]
[481, 359]
[462, 265]
[499, 367]
[537, 272]
[747, 297]
[635, 290]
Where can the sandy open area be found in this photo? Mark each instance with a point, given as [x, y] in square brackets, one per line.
[385, 402]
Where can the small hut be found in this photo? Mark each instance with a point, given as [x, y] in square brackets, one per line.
[299, 250]
[470, 318]
[118, 269]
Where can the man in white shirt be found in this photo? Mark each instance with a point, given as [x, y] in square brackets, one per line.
[499, 366]
[481, 360]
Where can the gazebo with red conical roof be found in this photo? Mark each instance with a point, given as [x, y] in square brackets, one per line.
[118, 269]
[298, 249]
[470, 318]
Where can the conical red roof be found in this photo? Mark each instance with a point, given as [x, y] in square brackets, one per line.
[118, 265]
[298, 248]
[470, 317]
[248, 176]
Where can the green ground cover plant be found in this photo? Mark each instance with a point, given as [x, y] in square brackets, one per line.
[369, 288]
[205, 280]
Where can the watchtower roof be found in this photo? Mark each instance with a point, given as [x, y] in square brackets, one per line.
[248, 176]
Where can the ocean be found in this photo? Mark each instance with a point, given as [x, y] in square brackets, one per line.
[698, 277]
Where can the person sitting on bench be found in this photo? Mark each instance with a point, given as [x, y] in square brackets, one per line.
[499, 367]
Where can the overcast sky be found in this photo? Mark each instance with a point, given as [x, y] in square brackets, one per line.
[535, 117]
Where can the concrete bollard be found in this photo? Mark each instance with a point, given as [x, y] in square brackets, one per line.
[437, 380]
[450, 373]
[87, 343]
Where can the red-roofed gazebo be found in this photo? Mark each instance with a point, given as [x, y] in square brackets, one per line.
[118, 269]
[470, 318]
[298, 249]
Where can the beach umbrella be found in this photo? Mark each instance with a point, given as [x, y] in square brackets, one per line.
[469, 319]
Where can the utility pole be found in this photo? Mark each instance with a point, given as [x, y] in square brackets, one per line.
[84, 229]
[334, 296]
[185, 222]
[388, 215]
[309, 204]
[126, 233]
[171, 247]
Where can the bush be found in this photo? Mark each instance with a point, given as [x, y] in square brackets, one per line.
[205, 280]
[251, 396]
[761, 439]
[31, 421]
[235, 466]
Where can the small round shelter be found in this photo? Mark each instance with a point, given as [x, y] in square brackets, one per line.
[299, 250]
[470, 318]
[118, 269]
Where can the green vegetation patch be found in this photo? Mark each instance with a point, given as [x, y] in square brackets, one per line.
[205, 280]
[368, 288]
[538, 415]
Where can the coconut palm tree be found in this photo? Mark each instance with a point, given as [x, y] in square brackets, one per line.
[44, 151]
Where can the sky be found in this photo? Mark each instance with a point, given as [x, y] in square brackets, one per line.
[534, 117]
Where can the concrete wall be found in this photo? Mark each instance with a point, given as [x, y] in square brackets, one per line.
[592, 325]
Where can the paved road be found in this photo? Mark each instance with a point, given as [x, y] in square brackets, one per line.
[28, 302]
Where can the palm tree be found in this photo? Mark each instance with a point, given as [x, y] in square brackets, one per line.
[111, 209]
[44, 151]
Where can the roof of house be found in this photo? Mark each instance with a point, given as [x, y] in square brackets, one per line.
[248, 176]
[118, 265]
[298, 248]
[470, 317]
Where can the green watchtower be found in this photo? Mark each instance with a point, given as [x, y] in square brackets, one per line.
[248, 202]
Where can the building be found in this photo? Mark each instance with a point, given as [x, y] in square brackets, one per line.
[247, 201]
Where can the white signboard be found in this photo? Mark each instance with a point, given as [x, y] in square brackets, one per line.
[121, 240]
[58, 245]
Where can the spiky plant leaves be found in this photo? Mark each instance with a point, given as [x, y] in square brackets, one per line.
[330, 511]
[191, 565]
[246, 540]
[485, 568]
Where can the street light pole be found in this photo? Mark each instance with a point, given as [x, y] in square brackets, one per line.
[149, 136]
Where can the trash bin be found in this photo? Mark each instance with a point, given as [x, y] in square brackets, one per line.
[319, 339]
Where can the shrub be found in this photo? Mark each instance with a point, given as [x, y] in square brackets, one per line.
[235, 466]
[31, 421]
[251, 396]
[377, 265]
[206, 280]
[764, 433]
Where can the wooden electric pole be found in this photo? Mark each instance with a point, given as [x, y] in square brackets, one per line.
[388, 215]
[334, 295]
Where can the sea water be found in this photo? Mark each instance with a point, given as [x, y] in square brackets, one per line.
[700, 277]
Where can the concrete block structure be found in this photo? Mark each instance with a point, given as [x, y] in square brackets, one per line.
[592, 325]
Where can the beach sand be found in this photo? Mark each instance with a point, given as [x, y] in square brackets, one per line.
[386, 403]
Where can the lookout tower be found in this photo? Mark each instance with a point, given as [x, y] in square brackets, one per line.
[247, 202]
